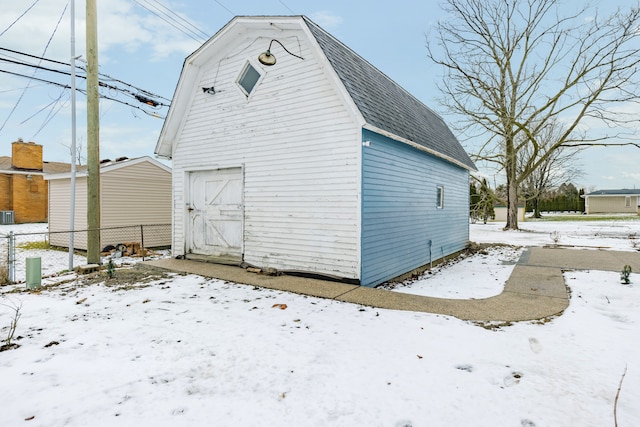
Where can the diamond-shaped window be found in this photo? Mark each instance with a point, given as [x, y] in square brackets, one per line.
[248, 78]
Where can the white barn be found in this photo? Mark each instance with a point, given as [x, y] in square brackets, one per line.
[292, 152]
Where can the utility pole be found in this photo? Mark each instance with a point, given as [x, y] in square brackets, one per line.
[93, 137]
[72, 196]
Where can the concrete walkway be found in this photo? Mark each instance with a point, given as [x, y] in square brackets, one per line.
[535, 289]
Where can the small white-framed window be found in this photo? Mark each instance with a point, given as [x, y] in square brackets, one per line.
[440, 196]
[627, 201]
[248, 78]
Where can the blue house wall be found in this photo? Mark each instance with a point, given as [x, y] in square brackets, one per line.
[402, 227]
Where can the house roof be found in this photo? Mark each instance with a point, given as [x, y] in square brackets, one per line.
[47, 167]
[111, 165]
[385, 105]
[622, 192]
[386, 108]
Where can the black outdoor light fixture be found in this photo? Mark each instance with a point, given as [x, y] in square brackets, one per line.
[268, 58]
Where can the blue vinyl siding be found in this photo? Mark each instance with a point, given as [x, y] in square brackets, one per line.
[399, 209]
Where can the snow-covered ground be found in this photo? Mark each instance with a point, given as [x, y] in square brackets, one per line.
[52, 262]
[617, 234]
[190, 351]
[484, 275]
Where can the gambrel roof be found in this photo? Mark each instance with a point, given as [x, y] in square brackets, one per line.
[386, 105]
[383, 105]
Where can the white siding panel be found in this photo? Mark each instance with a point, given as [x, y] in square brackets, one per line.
[299, 146]
[133, 195]
[60, 212]
[139, 194]
[59, 209]
[612, 204]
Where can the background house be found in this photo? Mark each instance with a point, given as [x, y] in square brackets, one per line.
[308, 159]
[23, 190]
[612, 201]
[132, 192]
[501, 212]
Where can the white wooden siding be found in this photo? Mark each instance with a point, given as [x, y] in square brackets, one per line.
[299, 148]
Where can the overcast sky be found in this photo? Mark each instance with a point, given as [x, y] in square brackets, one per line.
[138, 48]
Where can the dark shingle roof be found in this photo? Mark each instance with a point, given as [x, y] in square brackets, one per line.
[623, 192]
[386, 105]
[47, 167]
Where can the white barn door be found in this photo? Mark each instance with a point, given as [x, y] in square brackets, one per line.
[216, 213]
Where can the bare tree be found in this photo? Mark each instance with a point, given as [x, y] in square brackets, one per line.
[555, 168]
[513, 66]
[79, 149]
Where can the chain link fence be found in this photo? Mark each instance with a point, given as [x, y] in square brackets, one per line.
[123, 244]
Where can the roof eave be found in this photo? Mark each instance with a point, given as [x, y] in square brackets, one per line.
[419, 147]
[110, 167]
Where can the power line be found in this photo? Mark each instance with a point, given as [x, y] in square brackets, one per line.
[132, 106]
[39, 80]
[113, 79]
[33, 56]
[138, 96]
[171, 21]
[187, 22]
[19, 17]
[55, 101]
[143, 96]
[18, 88]
[225, 7]
[55, 30]
[52, 113]
[37, 67]
[81, 91]
[288, 8]
[66, 64]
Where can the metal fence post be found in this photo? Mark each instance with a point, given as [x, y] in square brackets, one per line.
[12, 257]
[142, 240]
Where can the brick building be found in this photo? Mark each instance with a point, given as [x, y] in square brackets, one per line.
[23, 189]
